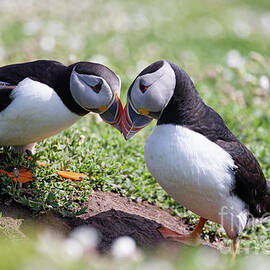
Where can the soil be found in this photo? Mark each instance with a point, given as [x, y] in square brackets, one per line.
[111, 214]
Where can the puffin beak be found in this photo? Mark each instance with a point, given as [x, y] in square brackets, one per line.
[132, 122]
[113, 114]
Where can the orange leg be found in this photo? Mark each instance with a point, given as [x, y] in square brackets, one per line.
[234, 251]
[190, 239]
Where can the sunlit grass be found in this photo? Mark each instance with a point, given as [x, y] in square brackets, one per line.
[223, 45]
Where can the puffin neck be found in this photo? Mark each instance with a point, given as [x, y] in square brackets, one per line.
[185, 106]
[63, 90]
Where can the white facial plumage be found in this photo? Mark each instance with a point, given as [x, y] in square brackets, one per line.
[119, 87]
[82, 89]
[160, 88]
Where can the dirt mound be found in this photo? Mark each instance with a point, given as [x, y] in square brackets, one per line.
[112, 215]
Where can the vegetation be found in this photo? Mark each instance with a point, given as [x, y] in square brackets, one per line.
[223, 46]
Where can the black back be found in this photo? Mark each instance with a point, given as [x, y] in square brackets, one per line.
[51, 73]
[187, 109]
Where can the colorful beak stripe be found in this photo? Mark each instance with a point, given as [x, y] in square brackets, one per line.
[113, 114]
[132, 122]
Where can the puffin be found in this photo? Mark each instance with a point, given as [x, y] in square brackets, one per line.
[193, 155]
[41, 98]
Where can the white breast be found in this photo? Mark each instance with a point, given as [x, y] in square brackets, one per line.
[35, 113]
[197, 173]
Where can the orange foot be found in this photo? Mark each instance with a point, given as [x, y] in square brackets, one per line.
[23, 175]
[189, 239]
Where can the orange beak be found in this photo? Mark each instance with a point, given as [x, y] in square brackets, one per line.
[132, 121]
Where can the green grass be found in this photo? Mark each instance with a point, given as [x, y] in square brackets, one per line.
[127, 36]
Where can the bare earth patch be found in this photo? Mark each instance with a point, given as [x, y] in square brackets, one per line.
[111, 214]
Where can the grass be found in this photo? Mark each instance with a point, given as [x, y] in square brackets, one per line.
[127, 36]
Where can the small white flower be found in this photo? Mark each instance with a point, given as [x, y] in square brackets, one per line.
[234, 59]
[86, 236]
[123, 247]
[32, 27]
[72, 248]
[47, 43]
[264, 82]
[82, 139]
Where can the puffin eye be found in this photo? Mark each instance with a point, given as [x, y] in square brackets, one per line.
[143, 87]
[97, 87]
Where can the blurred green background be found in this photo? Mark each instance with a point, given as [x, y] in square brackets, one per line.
[128, 35]
[222, 45]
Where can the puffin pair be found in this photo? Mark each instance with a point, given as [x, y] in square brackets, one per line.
[39, 99]
[191, 152]
[193, 155]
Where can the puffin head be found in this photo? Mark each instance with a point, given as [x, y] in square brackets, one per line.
[96, 88]
[148, 96]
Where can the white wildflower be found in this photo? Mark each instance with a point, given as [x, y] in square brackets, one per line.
[264, 82]
[123, 247]
[47, 43]
[32, 27]
[234, 59]
[86, 236]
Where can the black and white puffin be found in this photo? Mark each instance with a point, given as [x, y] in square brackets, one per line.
[193, 155]
[41, 98]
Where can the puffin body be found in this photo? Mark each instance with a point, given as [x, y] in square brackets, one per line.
[192, 154]
[39, 99]
[197, 173]
[35, 113]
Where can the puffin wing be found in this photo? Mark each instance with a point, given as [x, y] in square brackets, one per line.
[250, 183]
[44, 71]
[5, 91]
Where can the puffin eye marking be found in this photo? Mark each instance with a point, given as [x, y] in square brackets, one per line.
[143, 87]
[97, 87]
